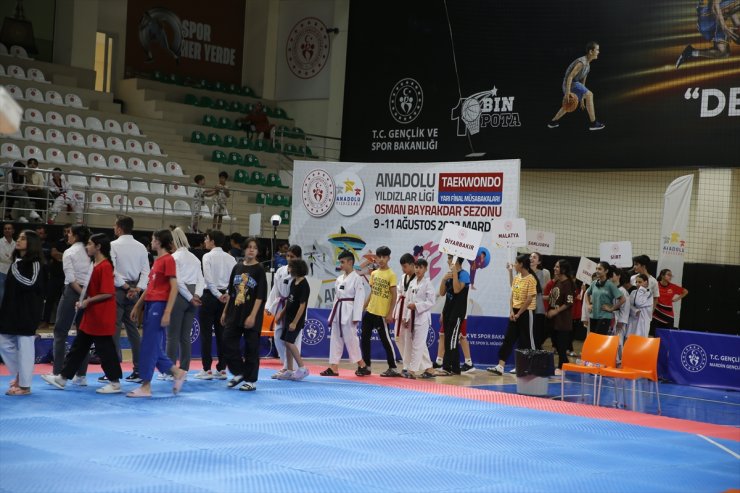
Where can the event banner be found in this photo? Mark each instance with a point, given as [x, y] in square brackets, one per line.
[359, 207]
[186, 39]
[486, 80]
[674, 231]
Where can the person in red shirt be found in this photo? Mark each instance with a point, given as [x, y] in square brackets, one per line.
[668, 294]
[98, 321]
[156, 307]
[257, 122]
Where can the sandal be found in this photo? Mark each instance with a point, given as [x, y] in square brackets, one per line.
[329, 373]
[177, 386]
[442, 373]
[18, 391]
[138, 393]
[247, 387]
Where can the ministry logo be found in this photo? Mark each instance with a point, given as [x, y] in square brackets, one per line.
[313, 332]
[693, 358]
[195, 330]
[307, 49]
[318, 192]
[406, 101]
[484, 109]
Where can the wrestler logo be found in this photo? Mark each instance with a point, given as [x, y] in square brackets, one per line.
[406, 101]
[313, 332]
[194, 330]
[318, 192]
[693, 358]
[430, 337]
[307, 49]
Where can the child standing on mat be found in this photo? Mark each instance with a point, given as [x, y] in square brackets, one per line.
[243, 317]
[346, 313]
[407, 267]
[379, 311]
[156, 305]
[98, 322]
[454, 288]
[417, 321]
[293, 317]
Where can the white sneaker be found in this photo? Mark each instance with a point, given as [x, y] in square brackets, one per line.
[22, 219]
[34, 215]
[300, 374]
[287, 375]
[80, 380]
[513, 370]
[161, 376]
[204, 375]
[278, 373]
[111, 388]
[220, 375]
[54, 380]
[496, 370]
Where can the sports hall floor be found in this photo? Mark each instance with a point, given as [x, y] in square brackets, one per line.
[464, 434]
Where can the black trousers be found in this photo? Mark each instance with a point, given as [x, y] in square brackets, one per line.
[563, 340]
[600, 325]
[452, 324]
[247, 364]
[210, 321]
[371, 322]
[521, 330]
[104, 346]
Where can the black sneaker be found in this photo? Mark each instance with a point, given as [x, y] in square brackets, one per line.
[436, 365]
[363, 372]
[235, 381]
[596, 125]
[390, 372]
[103, 379]
[553, 124]
[685, 55]
[466, 368]
[134, 377]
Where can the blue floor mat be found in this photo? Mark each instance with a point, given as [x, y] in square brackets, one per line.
[324, 435]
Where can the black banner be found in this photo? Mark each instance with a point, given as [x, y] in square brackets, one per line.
[429, 81]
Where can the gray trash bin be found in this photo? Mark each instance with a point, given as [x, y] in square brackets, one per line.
[533, 369]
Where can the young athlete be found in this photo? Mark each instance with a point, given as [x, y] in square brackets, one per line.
[198, 200]
[276, 302]
[641, 307]
[346, 313]
[408, 269]
[718, 21]
[416, 321]
[293, 318]
[379, 311]
[221, 193]
[454, 287]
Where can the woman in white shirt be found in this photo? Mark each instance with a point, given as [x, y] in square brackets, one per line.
[190, 285]
[77, 268]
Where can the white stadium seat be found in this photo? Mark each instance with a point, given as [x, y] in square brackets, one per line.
[121, 203]
[100, 201]
[205, 211]
[177, 190]
[161, 205]
[33, 152]
[99, 182]
[152, 148]
[142, 205]
[76, 158]
[15, 92]
[74, 121]
[113, 126]
[37, 75]
[134, 146]
[174, 168]
[95, 141]
[16, 72]
[3, 49]
[73, 101]
[33, 94]
[156, 187]
[32, 115]
[136, 164]
[182, 208]
[76, 180]
[139, 186]
[53, 97]
[155, 167]
[75, 139]
[118, 183]
[96, 160]
[19, 51]
[34, 134]
[116, 162]
[54, 118]
[11, 151]
[54, 155]
[130, 128]
[114, 144]
[54, 136]
[92, 123]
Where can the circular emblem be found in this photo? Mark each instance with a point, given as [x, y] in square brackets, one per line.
[350, 193]
[194, 330]
[307, 49]
[318, 192]
[615, 248]
[540, 236]
[508, 225]
[406, 101]
[693, 358]
[313, 332]
[430, 337]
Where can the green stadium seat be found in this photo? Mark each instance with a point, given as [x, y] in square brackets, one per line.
[218, 156]
[307, 151]
[247, 91]
[219, 86]
[258, 178]
[289, 149]
[236, 106]
[277, 147]
[285, 216]
[224, 122]
[244, 143]
[197, 137]
[248, 107]
[280, 113]
[242, 176]
[175, 79]
[263, 198]
[219, 104]
[233, 88]
[301, 151]
[229, 141]
[259, 145]
[235, 158]
[209, 121]
[191, 99]
[270, 111]
[158, 76]
[214, 140]
[205, 102]
[298, 133]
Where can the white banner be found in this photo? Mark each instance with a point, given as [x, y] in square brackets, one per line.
[460, 242]
[586, 269]
[406, 207]
[303, 49]
[509, 233]
[674, 231]
[541, 242]
[617, 253]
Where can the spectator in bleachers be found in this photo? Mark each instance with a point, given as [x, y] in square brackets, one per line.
[16, 193]
[198, 200]
[63, 195]
[236, 250]
[256, 123]
[35, 186]
[221, 193]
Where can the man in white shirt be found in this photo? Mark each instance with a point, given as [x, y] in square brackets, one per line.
[131, 275]
[7, 247]
[217, 266]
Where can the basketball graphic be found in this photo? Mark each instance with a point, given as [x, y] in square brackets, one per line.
[570, 102]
